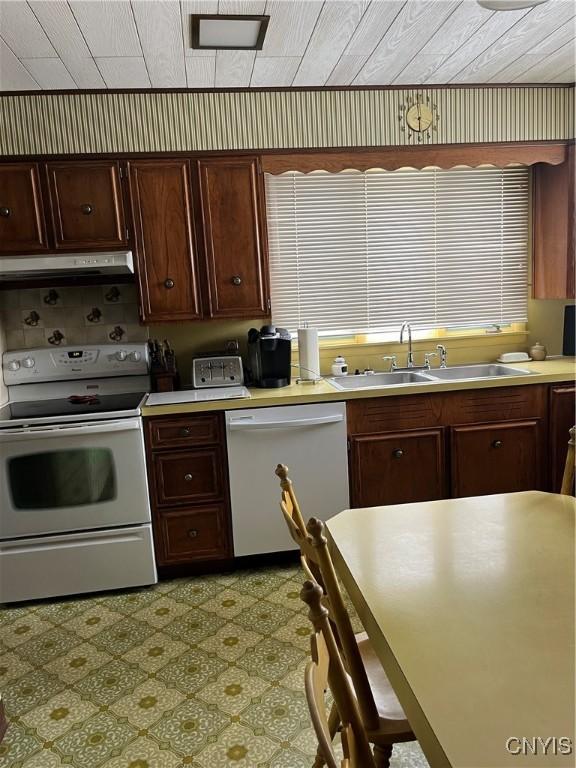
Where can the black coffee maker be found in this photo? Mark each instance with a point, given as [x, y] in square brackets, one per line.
[269, 356]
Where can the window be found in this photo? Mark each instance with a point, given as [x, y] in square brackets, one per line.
[358, 252]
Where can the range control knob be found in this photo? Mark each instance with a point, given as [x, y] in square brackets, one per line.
[121, 355]
[13, 365]
[28, 362]
[135, 356]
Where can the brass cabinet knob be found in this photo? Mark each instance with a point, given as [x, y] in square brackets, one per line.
[4, 212]
[86, 209]
[192, 533]
[185, 431]
[398, 453]
[168, 283]
[497, 444]
[236, 280]
[188, 477]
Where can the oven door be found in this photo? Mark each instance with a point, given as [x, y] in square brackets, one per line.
[60, 478]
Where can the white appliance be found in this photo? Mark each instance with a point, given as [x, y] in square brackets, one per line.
[64, 265]
[217, 371]
[74, 507]
[311, 440]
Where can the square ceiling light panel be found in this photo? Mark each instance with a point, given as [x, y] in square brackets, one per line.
[229, 33]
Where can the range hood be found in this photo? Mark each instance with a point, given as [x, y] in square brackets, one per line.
[65, 265]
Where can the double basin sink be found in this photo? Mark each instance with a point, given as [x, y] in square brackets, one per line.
[456, 373]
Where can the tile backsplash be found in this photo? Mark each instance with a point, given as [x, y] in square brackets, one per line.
[45, 317]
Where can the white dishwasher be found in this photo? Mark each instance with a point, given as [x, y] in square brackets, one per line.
[311, 440]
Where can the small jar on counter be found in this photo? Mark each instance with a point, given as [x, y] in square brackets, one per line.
[538, 351]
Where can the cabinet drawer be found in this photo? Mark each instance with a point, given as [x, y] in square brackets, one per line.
[397, 467]
[496, 458]
[188, 476]
[187, 535]
[182, 432]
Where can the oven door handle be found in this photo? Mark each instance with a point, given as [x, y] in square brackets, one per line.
[62, 430]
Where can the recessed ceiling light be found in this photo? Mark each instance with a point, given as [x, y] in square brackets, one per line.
[238, 33]
[509, 5]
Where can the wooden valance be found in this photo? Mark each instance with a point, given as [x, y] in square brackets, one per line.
[392, 158]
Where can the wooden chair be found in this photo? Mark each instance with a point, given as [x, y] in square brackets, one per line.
[382, 716]
[568, 476]
[327, 670]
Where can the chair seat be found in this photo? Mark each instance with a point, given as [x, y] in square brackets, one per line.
[393, 721]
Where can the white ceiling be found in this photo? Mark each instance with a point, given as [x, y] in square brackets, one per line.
[53, 44]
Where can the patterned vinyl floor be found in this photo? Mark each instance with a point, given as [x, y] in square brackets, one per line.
[204, 672]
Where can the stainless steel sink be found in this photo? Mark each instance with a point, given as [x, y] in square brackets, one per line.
[393, 378]
[375, 380]
[487, 371]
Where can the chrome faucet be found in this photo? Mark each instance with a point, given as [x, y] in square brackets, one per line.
[410, 359]
[442, 351]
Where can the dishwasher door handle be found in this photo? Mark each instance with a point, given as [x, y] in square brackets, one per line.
[246, 424]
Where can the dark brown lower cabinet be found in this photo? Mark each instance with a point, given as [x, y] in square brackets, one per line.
[188, 477]
[502, 457]
[469, 443]
[562, 412]
[397, 467]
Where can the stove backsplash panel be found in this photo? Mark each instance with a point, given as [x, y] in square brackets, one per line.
[53, 317]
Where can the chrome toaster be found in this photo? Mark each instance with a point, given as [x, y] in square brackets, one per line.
[217, 371]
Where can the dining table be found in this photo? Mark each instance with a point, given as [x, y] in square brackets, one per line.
[469, 604]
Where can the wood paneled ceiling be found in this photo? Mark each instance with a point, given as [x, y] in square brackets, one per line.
[111, 44]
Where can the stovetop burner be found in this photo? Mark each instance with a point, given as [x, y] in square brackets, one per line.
[75, 405]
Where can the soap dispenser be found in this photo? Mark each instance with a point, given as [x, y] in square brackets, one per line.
[339, 367]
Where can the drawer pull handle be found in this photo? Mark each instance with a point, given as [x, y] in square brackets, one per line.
[398, 453]
[188, 477]
[497, 444]
[236, 280]
[168, 283]
[4, 212]
[86, 209]
[185, 431]
[192, 533]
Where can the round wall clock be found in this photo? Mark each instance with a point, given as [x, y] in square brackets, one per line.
[418, 116]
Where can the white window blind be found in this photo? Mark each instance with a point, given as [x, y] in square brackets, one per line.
[357, 252]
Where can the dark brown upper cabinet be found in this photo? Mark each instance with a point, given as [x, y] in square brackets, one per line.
[87, 205]
[234, 235]
[554, 229]
[165, 240]
[22, 223]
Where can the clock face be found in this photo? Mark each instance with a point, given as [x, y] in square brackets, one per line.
[419, 117]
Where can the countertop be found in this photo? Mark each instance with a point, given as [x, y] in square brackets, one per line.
[546, 372]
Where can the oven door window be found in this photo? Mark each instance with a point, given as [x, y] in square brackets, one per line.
[71, 478]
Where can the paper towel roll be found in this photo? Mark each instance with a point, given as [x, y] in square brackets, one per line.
[308, 354]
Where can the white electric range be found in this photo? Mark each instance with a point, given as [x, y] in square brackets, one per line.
[74, 507]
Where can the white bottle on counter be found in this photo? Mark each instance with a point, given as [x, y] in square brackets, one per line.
[339, 367]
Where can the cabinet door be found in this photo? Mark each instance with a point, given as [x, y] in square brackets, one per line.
[554, 230]
[87, 205]
[395, 468]
[232, 202]
[502, 457]
[165, 243]
[22, 226]
[562, 408]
